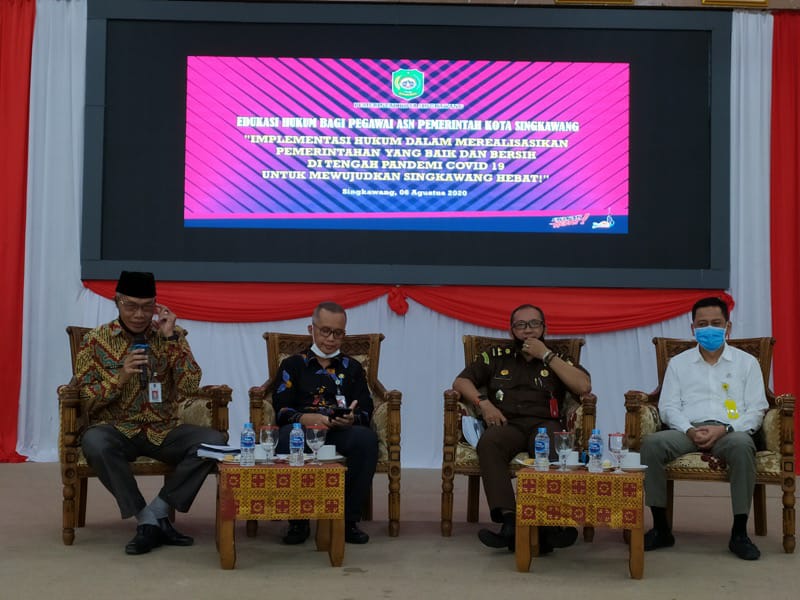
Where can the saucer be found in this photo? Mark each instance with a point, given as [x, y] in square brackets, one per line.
[337, 458]
[575, 466]
[235, 460]
[284, 458]
[636, 469]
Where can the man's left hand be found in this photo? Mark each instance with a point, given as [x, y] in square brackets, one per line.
[165, 320]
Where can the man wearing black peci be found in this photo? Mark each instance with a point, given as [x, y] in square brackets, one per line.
[133, 373]
[525, 390]
[309, 387]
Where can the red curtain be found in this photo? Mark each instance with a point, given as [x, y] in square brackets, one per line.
[16, 37]
[785, 203]
[568, 310]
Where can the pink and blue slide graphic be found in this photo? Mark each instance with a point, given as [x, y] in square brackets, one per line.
[462, 145]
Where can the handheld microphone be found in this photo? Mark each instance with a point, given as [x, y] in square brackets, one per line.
[140, 343]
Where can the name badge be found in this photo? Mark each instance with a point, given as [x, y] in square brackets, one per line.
[341, 401]
[154, 392]
[553, 408]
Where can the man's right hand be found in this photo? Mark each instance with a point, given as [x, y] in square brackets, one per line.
[314, 420]
[133, 364]
[491, 414]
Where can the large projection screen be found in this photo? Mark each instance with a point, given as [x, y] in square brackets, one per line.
[396, 144]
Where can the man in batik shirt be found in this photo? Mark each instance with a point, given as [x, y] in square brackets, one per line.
[133, 373]
[323, 387]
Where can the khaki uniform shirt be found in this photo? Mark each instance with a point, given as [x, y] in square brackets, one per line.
[518, 388]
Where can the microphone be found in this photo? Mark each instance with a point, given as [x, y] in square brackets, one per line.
[140, 343]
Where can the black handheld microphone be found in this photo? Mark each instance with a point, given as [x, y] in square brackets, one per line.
[140, 343]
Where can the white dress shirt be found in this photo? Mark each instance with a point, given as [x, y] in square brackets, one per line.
[694, 390]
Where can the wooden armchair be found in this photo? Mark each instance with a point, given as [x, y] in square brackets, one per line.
[209, 407]
[774, 465]
[366, 349]
[458, 457]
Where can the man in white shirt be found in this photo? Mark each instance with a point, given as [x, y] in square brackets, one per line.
[713, 401]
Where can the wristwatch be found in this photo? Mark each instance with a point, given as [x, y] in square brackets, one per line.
[729, 428]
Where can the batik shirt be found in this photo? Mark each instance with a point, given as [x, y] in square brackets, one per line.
[304, 386]
[517, 387]
[97, 369]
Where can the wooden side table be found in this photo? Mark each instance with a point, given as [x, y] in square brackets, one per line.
[280, 492]
[575, 499]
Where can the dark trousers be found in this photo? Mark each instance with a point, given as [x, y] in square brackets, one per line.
[109, 453]
[359, 445]
[497, 446]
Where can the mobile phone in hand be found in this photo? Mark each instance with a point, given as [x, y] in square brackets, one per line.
[341, 412]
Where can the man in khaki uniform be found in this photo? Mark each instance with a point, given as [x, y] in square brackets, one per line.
[525, 390]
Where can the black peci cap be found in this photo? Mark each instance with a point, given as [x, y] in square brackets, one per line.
[137, 284]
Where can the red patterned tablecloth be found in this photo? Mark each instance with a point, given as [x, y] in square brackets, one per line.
[272, 492]
[577, 498]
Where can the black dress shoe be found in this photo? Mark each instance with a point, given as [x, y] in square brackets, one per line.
[353, 535]
[297, 533]
[559, 537]
[655, 539]
[502, 539]
[171, 536]
[743, 547]
[147, 537]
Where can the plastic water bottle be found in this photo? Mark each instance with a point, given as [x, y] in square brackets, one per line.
[296, 444]
[248, 445]
[541, 450]
[595, 452]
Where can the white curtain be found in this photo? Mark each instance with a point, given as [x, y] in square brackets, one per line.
[422, 353]
[53, 290]
[751, 97]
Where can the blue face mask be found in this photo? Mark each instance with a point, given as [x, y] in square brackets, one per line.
[710, 338]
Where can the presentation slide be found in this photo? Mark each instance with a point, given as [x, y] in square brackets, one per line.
[407, 145]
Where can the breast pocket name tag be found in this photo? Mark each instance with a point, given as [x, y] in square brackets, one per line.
[732, 409]
[154, 392]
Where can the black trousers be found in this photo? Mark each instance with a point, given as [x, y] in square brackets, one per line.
[359, 445]
[109, 453]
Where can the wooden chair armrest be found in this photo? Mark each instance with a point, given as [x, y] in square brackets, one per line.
[452, 418]
[588, 403]
[258, 395]
[641, 416]
[393, 400]
[69, 406]
[220, 396]
[785, 403]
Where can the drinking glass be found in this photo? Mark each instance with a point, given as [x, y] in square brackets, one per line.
[268, 437]
[563, 441]
[618, 445]
[315, 438]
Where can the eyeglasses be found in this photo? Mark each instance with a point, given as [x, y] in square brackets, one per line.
[133, 307]
[327, 332]
[533, 324]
